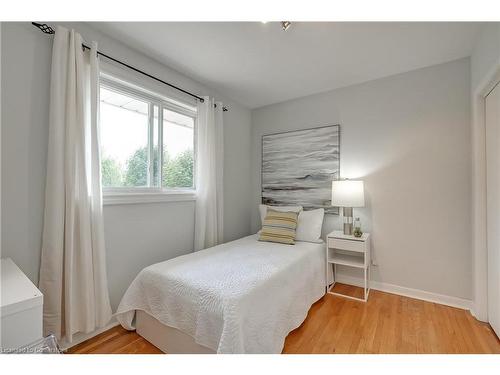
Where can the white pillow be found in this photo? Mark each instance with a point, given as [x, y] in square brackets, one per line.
[309, 225]
[263, 210]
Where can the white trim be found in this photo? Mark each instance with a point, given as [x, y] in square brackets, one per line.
[409, 292]
[479, 308]
[81, 337]
[114, 198]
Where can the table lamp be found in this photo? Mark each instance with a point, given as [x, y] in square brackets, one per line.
[348, 194]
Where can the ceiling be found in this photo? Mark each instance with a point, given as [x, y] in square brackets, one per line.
[257, 64]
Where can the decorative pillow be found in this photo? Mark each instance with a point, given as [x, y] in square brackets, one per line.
[263, 210]
[279, 226]
[309, 225]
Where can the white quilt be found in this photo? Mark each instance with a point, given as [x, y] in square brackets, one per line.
[244, 296]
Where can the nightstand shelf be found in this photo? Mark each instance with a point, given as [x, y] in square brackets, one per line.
[347, 260]
[348, 251]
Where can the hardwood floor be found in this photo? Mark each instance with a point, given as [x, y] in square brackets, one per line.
[387, 323]
[116, 340]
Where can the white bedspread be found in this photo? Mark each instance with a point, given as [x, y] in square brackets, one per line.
[244, 296]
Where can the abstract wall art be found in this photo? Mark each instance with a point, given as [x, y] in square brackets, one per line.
[298, 167]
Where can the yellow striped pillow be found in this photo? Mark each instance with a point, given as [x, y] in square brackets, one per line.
[279, 226]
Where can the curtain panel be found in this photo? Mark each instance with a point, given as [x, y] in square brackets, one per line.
[73, 268]
[209, 175]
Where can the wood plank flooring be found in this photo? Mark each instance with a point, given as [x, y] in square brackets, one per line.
[116, 340]
[387, 323]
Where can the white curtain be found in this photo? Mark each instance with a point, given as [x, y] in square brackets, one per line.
[209, 175]
[73, 268]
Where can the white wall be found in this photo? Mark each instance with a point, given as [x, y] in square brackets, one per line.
[407, 136]
[486, 53]
[25, 112]
[0, 134]
[136, 235]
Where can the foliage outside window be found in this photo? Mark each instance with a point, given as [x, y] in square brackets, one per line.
[177, 171]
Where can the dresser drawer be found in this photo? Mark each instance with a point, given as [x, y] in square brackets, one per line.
[350, 245]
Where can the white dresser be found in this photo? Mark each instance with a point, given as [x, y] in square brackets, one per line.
[21, 308]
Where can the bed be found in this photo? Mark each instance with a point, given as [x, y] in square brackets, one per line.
[244, 296]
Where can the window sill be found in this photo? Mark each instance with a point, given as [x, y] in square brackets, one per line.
[118, 198]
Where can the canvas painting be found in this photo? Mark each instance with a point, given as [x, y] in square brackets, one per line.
[298, 167]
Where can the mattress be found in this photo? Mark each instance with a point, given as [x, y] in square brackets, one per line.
[243, 296]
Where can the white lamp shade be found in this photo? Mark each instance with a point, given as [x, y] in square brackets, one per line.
[348, 193]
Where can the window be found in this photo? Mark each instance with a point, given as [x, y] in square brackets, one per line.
[147, 142]
[124, 139]
[178, 158]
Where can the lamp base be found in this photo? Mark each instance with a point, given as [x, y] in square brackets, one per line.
[347, 214]
[348, 229]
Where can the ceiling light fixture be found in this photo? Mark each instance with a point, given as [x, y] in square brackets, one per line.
[285, 25]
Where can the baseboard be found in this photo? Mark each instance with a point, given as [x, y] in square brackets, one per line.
[81, 337]
[409, 292]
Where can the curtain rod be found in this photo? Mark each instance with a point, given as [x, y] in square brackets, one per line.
[46, 29]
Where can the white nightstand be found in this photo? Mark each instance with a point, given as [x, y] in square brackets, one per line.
[348, 251]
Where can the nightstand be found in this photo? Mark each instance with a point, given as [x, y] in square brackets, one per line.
[348, 251]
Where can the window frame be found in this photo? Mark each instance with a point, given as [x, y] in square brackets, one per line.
[150, 194]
